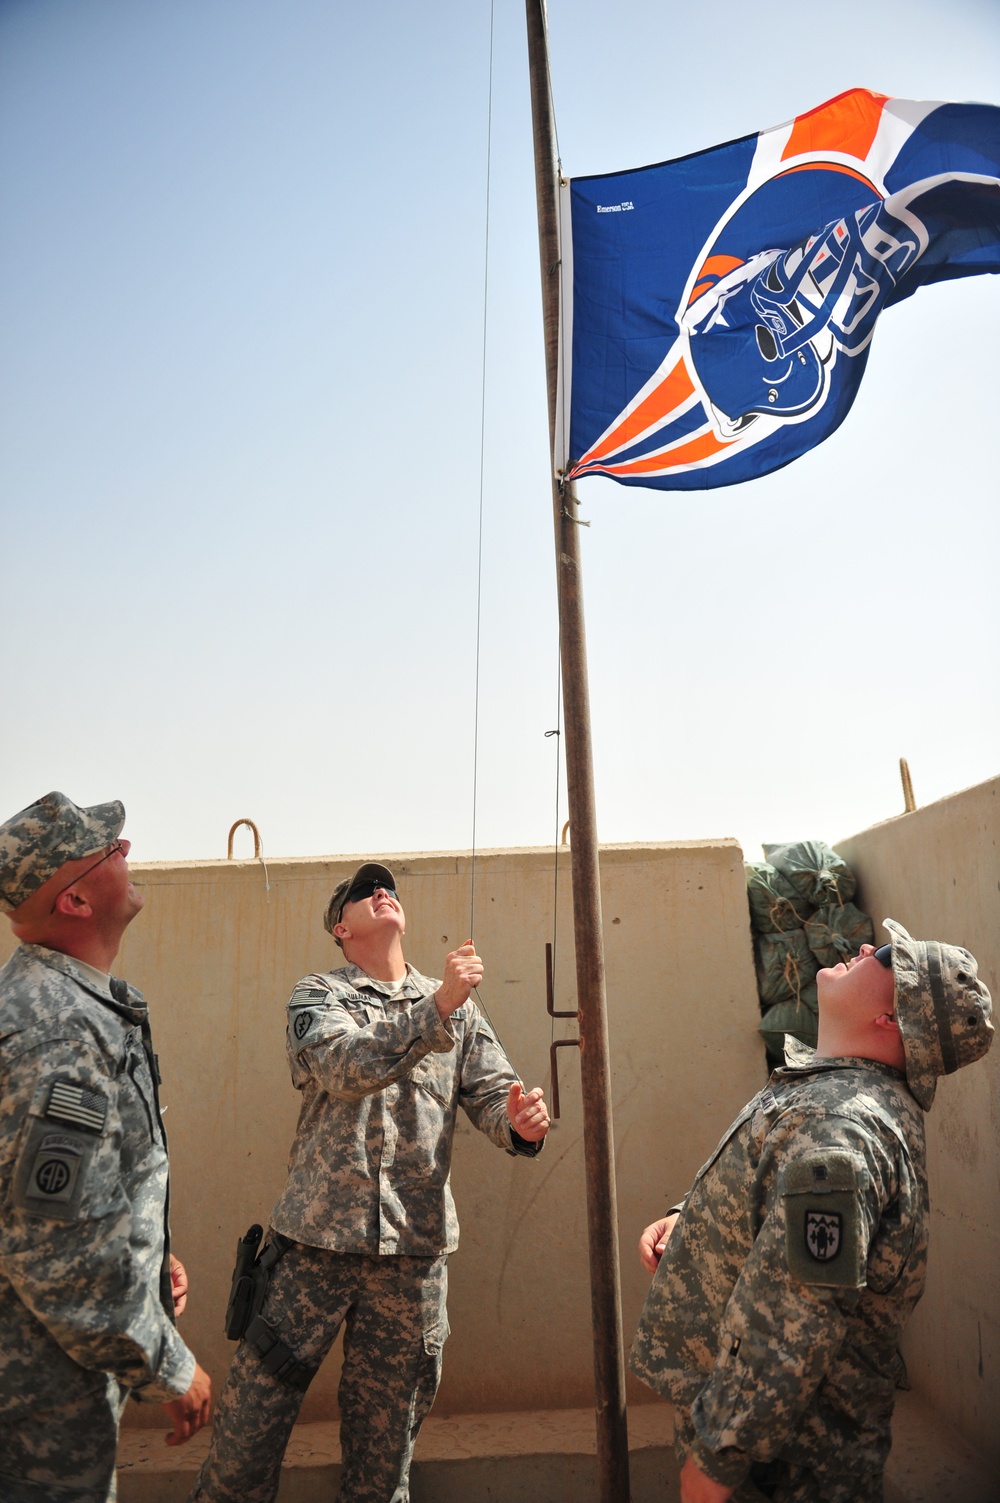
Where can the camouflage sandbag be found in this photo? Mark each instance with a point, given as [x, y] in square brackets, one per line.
[837, 932]
[774, 904]
[796, 1018]
[785, 966]
[816, 872]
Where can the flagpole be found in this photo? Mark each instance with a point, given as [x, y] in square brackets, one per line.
[602, 1210]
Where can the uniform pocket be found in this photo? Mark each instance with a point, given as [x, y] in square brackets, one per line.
[436, 1075]
[435, 1338]
[434, 1303]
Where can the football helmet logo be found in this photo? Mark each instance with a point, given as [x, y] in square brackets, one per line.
[765, 336]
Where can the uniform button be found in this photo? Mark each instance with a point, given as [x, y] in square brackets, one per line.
[392, 1093]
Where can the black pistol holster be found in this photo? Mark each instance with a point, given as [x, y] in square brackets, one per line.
[251, 1277]
[249, 1283]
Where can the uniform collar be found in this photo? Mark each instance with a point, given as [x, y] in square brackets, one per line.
[414, 985]
[841, 1062]
[130, 1004]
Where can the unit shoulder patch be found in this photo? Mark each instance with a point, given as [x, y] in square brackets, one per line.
[51, 1172]
[821, 1195]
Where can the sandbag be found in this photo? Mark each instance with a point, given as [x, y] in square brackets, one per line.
[785, 966]
[796, 1018]
[775, 906]
[815, 871]
[837, 932]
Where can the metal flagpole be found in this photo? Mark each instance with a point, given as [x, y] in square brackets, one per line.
[602, 1211]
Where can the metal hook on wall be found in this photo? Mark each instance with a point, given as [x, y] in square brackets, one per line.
[258, 846]
[909, 801]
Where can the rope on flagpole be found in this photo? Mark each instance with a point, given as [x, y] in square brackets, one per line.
[482, 474]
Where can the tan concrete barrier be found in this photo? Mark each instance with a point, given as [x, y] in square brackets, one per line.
[937, 871]
[217, 954]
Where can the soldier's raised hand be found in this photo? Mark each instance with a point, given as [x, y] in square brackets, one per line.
[463, 970]
[527, 1114]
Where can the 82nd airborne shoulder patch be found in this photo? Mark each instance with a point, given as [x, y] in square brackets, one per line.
[50, 1176]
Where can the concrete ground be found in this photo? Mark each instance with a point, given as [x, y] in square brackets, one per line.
[549, 1457]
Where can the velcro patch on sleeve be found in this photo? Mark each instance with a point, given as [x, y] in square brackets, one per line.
[51, 1172]
[77, 1106]
[305, 1006]
[821, 1195]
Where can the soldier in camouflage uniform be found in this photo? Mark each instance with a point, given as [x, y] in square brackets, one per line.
[87, 1286]
[383, 1057]
[782, 1283]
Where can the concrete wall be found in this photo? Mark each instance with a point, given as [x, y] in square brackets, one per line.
[937, 871]
[217, 954]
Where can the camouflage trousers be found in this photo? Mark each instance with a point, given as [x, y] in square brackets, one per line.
[395, 1325]
[785, 1481]
[58, 1421]
[65, 1454]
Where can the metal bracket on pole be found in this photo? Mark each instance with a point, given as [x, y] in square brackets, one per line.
[557, 1044]
[554, 1067]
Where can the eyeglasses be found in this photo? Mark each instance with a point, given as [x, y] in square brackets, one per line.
[362, 891]
[112, 850]
[884, 956]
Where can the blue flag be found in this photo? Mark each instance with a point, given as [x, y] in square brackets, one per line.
[719, 308]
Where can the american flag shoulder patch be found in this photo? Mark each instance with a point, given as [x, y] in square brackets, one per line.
[77, 1106]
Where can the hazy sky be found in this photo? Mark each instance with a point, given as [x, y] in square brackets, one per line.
[243, 277]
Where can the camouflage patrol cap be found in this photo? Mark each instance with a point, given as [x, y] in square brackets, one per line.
[942, 1008]
[43, 837]
[370, 871]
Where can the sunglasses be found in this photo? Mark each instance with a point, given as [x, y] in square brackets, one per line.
[112, 850]
[362, 891]
[884, 956]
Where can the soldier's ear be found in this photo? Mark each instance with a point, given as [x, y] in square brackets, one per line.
[887, 1021]
[341, 931]
[71, 905]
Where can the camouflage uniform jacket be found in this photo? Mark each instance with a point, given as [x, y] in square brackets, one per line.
[777, 1306]
[83, 1189]
[381, 1081]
